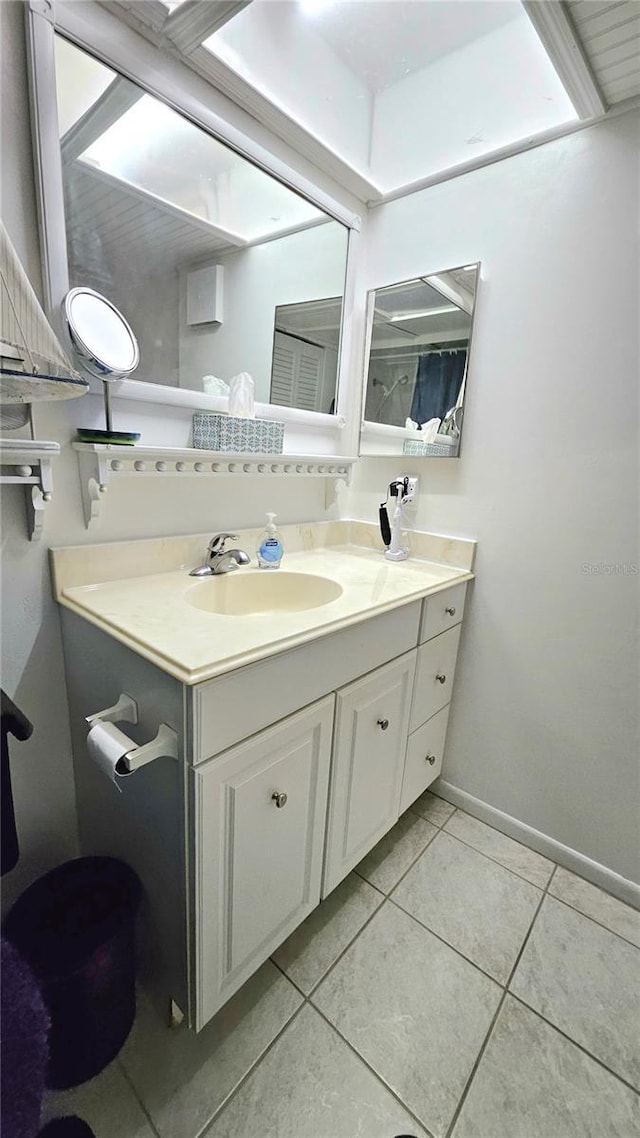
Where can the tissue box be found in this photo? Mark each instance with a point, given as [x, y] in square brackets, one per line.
[245, 436]
[440, 449]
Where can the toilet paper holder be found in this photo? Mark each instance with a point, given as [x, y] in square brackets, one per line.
[125, 710]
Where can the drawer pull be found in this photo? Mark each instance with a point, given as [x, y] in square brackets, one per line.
[279, 798]
[441, 678]
[430, 759]
[382, 724]
[450, 611]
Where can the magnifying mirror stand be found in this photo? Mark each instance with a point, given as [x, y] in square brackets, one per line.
[108, 437]
[108, 349]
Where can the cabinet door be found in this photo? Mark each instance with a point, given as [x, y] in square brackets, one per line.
[368, 759]
[259, 812]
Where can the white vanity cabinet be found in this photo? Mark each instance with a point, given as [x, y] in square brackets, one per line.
[289, 770]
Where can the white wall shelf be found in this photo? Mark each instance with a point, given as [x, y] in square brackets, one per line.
[28, 463]
[99, 463]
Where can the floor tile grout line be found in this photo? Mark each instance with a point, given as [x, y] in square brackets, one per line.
[447, 944]
[404, 874]
[496, 861]
[581, 1047]
[556, 865]
[287, 977]
[594, 921]
[601, 888]
[505, 993]
[528, 934]
[132, 1087]
[508, 837]
[438, 825]
[387, 1086]
[402, 877]
[476, 1064]
[354, 938]
[254, 1066]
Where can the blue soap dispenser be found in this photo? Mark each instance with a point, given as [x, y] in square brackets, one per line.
[270, 548]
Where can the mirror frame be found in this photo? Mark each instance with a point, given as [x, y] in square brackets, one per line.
[168, 79]
[393, 437]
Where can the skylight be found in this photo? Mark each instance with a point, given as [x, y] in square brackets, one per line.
[400, 90]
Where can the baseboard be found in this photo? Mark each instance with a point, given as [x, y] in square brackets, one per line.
[599, 875]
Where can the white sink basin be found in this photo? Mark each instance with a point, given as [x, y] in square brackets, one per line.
[241, 593]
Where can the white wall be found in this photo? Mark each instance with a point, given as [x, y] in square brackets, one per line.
[32, 662]
[303, 266]
[544, 723]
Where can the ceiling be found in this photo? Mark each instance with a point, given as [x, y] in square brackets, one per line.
[385, 41]
[610, 36]
[386, 95]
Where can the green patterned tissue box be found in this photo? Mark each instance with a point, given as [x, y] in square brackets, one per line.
[227, 433]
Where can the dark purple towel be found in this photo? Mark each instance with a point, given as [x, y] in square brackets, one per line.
[24, 1049]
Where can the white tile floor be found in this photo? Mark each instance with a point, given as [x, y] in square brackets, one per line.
[456, 984]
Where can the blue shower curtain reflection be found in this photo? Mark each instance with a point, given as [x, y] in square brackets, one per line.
[437, 384]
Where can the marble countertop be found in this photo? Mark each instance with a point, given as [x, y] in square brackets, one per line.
[151, 614]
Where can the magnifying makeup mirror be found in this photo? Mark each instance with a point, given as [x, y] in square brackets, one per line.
[107, 348]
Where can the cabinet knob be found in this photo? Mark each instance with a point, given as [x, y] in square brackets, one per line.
[383, 724]
[441, 678]
[430, 759]
[280, 799]
[450, 611]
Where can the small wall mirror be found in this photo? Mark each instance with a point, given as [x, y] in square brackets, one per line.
[417, 371]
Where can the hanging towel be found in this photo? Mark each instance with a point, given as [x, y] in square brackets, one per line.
[13, 722]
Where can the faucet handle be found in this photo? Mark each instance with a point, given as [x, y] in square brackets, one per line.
[216, 545]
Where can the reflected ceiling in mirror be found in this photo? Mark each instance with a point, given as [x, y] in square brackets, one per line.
[151, 199]
[417, 369]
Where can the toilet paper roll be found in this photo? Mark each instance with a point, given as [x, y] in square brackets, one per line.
[106, 746]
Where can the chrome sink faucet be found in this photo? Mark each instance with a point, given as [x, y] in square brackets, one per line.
[219, 558]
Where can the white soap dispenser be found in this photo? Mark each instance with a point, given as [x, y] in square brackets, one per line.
[270, 548]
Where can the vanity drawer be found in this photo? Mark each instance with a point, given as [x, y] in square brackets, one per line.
[235, 706]
[434, 676]
[442, 611]
[423, 763]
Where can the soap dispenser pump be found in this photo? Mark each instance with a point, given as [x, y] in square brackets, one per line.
[270, 548]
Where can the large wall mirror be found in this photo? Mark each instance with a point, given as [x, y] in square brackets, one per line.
[417, 371]
[152, 202]
[218, 265]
